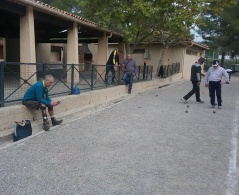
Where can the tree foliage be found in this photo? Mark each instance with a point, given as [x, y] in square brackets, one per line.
[221, 30]
[140, 21]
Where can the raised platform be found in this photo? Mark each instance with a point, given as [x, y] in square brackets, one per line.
[75, 106]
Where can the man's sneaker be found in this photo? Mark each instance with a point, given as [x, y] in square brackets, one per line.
[219, 107]
[46, 126]
[212, 106]
[184, 101]
[55, 122]
[201, 102]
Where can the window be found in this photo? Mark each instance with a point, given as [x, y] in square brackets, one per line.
[191, 52]
[138, 51]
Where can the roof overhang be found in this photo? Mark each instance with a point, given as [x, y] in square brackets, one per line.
[50, 23]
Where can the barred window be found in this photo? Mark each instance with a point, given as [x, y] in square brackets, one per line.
[137, 51]
[191, 52]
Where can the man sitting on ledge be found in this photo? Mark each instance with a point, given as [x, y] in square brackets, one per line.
[37, 97]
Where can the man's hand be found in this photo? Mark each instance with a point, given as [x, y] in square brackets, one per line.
[54, 103]
[198, 83]
[206, 84]
[203, 75]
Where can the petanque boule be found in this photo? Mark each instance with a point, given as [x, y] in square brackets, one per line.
[186, 111]
[214, 111]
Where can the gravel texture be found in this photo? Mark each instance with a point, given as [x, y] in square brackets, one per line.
[150, 144]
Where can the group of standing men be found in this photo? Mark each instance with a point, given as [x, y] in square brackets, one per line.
[215, 77]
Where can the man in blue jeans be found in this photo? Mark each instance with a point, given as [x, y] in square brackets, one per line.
[130, 71]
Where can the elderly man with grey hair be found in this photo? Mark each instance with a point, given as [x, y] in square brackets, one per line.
[37, 97]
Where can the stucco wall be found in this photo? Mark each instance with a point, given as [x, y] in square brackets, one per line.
[191, 59]
[171, 55]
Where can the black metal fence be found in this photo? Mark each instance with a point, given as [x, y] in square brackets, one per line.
[168, 70]
[15, 78]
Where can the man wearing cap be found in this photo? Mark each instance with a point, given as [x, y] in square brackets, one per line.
[196, 81]
[213, 80]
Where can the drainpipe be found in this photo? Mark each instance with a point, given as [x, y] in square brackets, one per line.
[108, 43]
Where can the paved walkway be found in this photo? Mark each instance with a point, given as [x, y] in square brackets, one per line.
[146, 145]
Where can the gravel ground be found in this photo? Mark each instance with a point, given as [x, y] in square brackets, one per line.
[151, 144]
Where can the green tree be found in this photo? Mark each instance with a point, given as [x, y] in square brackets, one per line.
[142, 22]
[165, 21]
[220, 30]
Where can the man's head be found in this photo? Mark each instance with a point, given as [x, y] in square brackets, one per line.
[129, 57]
[201, 60]
[49, 80]
[215, 63]
[120, 52]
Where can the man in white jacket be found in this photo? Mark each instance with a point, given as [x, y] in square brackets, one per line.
[213, 80]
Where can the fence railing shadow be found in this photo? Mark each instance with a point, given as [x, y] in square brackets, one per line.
[165, 71]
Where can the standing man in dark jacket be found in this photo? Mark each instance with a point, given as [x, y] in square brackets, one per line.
[37, 97]
[196, 81]
[130, 71]
[111, 63]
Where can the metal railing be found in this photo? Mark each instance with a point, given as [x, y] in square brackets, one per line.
[15, 78]
[165, 71]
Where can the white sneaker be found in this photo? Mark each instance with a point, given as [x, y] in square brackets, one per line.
[184, 101]
[219, 107]
[212, 106]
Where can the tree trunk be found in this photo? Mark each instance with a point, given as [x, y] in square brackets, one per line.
[223, 58]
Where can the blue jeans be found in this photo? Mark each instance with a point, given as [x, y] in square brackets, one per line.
[128, 78]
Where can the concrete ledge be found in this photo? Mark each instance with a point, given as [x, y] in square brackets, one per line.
[75, 106]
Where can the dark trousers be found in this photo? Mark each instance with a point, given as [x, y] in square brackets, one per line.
[196, 90]
[215, 86]
[108, 69]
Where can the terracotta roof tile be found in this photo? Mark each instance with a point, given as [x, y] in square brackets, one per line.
[62, 11]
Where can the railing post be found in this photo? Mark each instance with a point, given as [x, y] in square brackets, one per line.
[92, 76]
[147, 72]
[44, 70]
[151, 74]
[72, 78]
[139, 68]
[118, 75]
[144, 70]
[2, 84]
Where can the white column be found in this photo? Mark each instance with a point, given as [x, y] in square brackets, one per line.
[102, 54]
[72, 51]
[27, 45]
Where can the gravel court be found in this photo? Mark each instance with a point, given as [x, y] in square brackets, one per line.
[145, 145]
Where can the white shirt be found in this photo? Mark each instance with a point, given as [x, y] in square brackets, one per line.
[216, 74]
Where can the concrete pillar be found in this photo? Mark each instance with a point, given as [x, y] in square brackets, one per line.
[72, 52]
[27, 45]
[102, 55]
